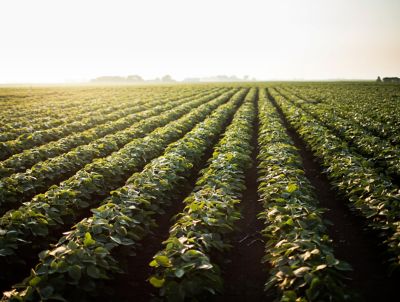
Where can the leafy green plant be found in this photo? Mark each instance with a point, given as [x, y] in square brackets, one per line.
[22, 186]
[62, 205]
[22, 126]
[373, 195]
[369, 106]
[303, 266]
[74, 268]
[117, 121]
[384, 156]
[184, 269]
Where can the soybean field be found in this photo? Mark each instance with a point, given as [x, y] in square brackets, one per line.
[278, 191]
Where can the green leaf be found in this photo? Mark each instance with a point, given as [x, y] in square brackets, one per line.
[321, 266]
[289, 296]
[163, 261]
[72, 245]
[39, 230]
[62, 266]
[16, 215]
[289, 221]
[313, 291]
[97, 229]
[74, 272]
[93, 272]
[179, 272]
[101, 251]
[116, 239]
[88, 241]
[53, 264]
[157, 282]
[300, 272]
[57, 251]
[169, 246]
[205, 266]
[291, 187]
[35, 281]
[122, 231]
[331, 260]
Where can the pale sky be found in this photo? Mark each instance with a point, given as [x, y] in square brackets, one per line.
[62, 40]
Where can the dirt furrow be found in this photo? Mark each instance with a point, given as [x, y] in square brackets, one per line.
[243, 273]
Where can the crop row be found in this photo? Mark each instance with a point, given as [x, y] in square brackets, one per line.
[184, 269]
[298, 250]
[39, 221]
[13, 131]
[124, 106]
[112, 112]
[21, 161]
[379, 151]
[80, 112]
[74, 267]
[22, 186]
[20, 115]
[28, 158]
[30, 140]
[371, 108]
[48, 109]
[372, 194]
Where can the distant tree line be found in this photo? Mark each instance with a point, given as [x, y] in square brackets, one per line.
[220, 78]
[168, 79]
[388, 80]
[131, 79]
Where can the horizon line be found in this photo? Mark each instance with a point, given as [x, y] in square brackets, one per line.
[89, 82]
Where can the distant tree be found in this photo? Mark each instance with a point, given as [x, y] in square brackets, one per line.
[134, 78]
[379, 80]
[234, 78]
[391, 80]
[167, 78]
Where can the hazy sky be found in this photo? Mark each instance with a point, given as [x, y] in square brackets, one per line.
[59, 40]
